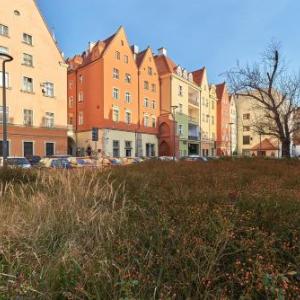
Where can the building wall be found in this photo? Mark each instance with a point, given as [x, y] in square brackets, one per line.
[48, 66]
[150, 94]
[233, 120]
[246, 105]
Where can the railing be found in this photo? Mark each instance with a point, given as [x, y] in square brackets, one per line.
[194, 137]
[193, 120]
[194, 101]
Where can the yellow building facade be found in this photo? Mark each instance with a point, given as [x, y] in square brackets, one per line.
[36, 82]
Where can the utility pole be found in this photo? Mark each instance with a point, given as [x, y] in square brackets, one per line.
[6, 58]
[174, 107]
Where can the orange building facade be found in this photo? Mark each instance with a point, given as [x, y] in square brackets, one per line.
[223, 121]
[115, 89]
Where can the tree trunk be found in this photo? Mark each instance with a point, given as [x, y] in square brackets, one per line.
[285, 150]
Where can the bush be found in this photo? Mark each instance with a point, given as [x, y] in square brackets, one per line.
[157, 230]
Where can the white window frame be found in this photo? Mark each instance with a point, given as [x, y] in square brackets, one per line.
[33, 146]
[128, 112]
[128, 98]
[80, 118]
[49, 89]
[116, 109]
[27, 39]
[27, 60]
[24, 123]
[4, 30]
[6, 79]
[45, 147]
[116, 93]
[25, 85]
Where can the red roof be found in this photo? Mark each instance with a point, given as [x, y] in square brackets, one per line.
[265, 145]
[198, 75]
[164, 64]
[140, 57]
[220, 88]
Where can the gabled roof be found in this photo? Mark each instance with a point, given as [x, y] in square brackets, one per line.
[140, 57]
[265, 145]
[198, 75]
[220, 89]
[164, 65]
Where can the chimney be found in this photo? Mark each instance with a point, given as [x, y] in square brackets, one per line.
[91, 46]
[162, 51]
[135, 50]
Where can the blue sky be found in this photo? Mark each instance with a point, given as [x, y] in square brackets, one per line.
[214, 33]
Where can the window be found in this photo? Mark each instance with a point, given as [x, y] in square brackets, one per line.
[49, 89]
[3, 30]
[116, 74]
[80, 118]
[180, 108]
[116, 114]
[128, 148]
[153, 104]
[27, 84]
[81, 79]
[50, 149]
[146, 101]
[128, 117]
[153, 88]
[116, 93]
[1, 114]
[28, 149]
[71, 101]
[6, 79]
[117, 55]
[246, 128]
[153, 122]
[180, 129]
[150, 150]
[212, 105]
[70, 84]
[27, 60]
[246, 116]
[27, 39]
[212, 120]
[146, 85]
[3, 50]
[116, 148]
[49, 120]
[246, 140]
[126, 59]
[146, 121]
[17, 13]
[127, 78]
[27, 117]
[80, 96]
[150, 72]
[128, 97]
[7, 147]
[180, 90]
[70, 121]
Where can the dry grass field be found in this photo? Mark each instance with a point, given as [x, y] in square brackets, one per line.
[157, 230]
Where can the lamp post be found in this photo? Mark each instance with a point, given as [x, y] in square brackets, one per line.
[230, 124]
[5, 59]
[174, 107]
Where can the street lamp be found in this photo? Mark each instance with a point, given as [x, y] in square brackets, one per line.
[6, 58]
[174, 107]
[230, 124]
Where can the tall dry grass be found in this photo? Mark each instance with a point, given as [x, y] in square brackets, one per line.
[222, 230]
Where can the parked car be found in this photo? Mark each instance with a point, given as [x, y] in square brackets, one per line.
[115, 162]
[81, 162]
[130, 160]
[16, 162]
[34, 160]
[56, 163]
[194, 158]
[167, 158]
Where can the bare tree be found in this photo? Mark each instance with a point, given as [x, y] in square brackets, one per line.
[274, 90]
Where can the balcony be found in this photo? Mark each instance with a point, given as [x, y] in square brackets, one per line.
[194, 101]
[193, 120]
[194, 137]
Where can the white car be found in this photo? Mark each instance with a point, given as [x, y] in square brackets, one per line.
[16, 162]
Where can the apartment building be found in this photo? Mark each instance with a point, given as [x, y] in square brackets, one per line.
[249, 141]
[208, 113]
[36, 82]
[114, 89]
[179, 126]
[223, 120]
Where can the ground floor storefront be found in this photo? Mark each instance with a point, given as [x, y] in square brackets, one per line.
[208, 148]
[30, 141]
[116, 143]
